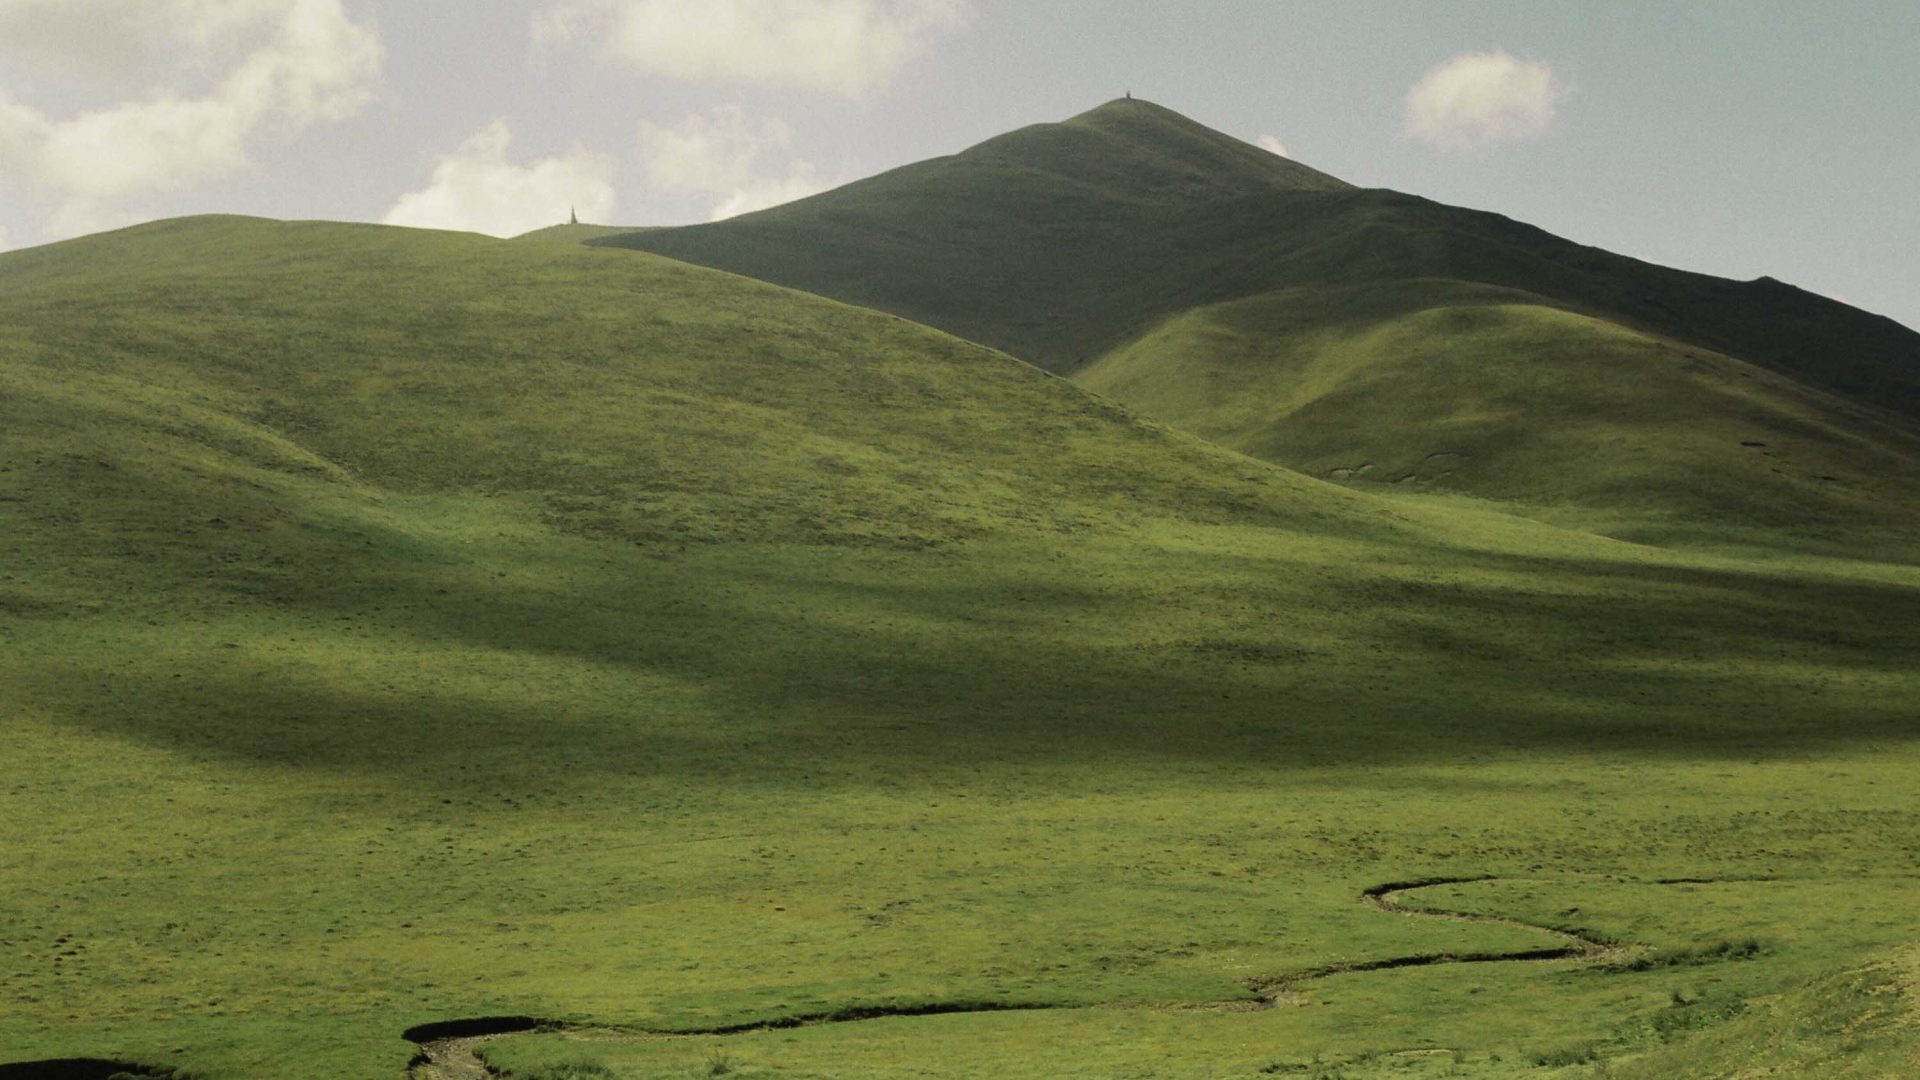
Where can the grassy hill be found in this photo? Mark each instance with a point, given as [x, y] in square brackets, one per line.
[1032, 242]
[1295, 318]
[1440, 386]
[583, 384]
[399, 628]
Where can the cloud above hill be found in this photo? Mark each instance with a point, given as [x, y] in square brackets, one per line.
[718, 153]
[841, 46]
[200, 81]
[1272, 145]
[477, 188]
[1477, 99]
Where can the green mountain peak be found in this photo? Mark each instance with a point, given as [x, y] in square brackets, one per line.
[1369, 336]
[1139, 150]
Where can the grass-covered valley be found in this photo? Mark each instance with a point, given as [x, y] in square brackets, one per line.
[402, 628]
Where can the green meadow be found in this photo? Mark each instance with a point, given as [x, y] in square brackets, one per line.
[401, 628]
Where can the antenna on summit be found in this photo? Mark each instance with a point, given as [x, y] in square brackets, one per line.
[573, 216]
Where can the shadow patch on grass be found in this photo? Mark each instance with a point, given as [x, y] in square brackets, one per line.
[474, 1028]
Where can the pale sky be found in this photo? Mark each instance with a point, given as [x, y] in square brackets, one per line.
[1740, 138]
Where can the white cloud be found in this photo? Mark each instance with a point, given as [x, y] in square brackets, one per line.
[842, 46]
[760, 193]
[708, 153]
[1480, 98]
[130, 41]
[80, 217]
[1271, 145]
[477, 189]
[277, 65]
[21, 129]
[718, 154]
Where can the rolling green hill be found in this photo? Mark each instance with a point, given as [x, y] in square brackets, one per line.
[1330, 329]
[1444, 386]
[403, 628]
[577, 382]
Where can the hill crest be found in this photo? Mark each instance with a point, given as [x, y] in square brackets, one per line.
[1137, 149]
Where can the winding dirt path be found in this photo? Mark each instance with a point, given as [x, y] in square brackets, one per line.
[451, 1059]
[1387, 898]
[450, 1050]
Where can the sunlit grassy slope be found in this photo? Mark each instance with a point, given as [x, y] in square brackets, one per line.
[1329, 328]
[1438, 386]
[589, 384]
[401, 627]
[1851, 1025]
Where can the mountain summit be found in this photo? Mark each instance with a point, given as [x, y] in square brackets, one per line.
[1136, 149]
[1054, 242]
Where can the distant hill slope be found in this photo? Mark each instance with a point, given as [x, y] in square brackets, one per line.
[191, 362]
[1086, 256]
[1440, 385]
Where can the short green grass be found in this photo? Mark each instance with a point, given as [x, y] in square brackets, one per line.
[1852, 1024]
[401, 627]
[1432, 386]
